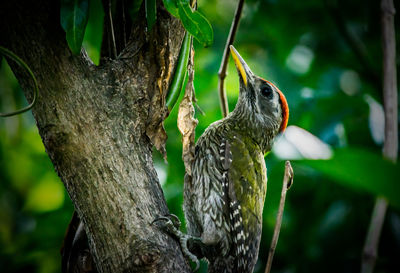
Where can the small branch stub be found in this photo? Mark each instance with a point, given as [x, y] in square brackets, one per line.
[287, 183]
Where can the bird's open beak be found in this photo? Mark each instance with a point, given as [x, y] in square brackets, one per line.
[241, 65]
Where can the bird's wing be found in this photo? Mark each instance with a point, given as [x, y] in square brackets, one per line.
[237, 231]
[247, 187]
[208, 200]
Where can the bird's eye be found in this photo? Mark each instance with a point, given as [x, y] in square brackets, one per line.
[266, 91]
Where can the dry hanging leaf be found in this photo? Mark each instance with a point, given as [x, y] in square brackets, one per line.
[186, 121]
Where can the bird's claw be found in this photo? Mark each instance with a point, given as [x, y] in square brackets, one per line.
[175, 220]
[171, 226]
[184, 241]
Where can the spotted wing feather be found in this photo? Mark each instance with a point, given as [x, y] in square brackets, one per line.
[234, 211]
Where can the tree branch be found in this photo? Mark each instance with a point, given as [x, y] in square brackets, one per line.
[94, 123]
[390, 146]
[287, 182]
[224, 62]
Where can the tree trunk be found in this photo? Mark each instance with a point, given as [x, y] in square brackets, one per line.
[94, 123]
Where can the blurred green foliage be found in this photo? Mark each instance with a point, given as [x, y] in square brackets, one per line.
[331, 94]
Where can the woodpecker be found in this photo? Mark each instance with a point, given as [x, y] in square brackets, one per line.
[224, 196]
[75, 252]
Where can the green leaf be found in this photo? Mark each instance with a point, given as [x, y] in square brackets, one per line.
[195, 23]
[134, 9]
[362, 170]
[172, 7]
[151, 13]
[94, 31]
[74, 17]
[178, 81]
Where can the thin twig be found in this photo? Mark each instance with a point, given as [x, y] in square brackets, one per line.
[390, 146]
[389, 81]
[370, 250]
[287, 182]
[225, 58]
[112, 29]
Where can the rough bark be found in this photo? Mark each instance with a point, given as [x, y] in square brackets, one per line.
[93, 123]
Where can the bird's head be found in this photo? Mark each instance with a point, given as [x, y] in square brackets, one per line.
[260, 101]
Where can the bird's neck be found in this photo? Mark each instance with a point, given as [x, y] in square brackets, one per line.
[249, 125]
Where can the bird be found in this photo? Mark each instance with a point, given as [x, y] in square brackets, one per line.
[75, 253]
[225, 193]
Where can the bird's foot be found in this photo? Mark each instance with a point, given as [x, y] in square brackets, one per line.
[171, 224]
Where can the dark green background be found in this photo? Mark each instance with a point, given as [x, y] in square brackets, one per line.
[298, 46]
